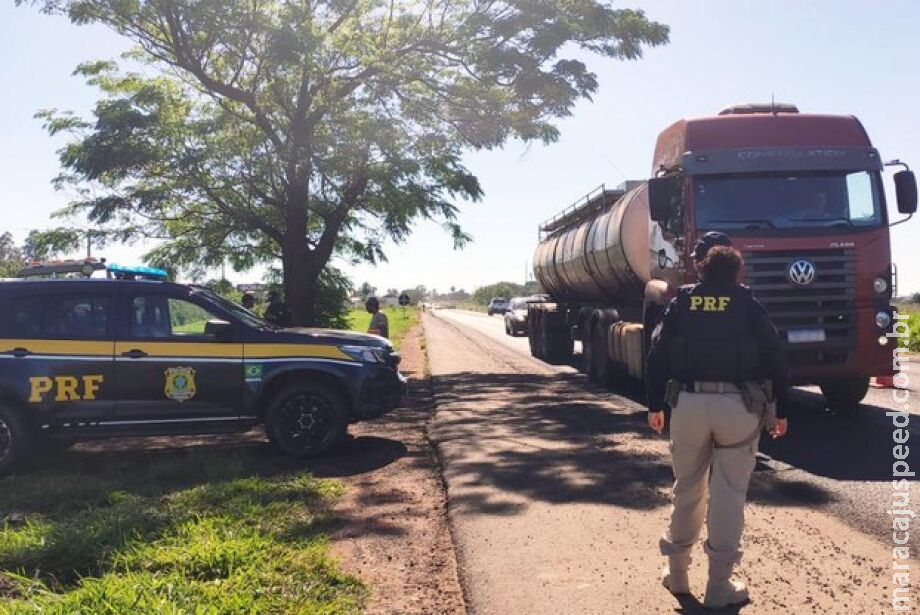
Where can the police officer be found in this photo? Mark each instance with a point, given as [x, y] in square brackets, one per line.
[716, 356]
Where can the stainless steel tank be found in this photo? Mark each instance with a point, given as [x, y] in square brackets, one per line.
[604, 258]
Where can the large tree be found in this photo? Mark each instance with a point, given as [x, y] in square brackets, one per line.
[296, 130]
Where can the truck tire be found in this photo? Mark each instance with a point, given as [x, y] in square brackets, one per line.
[603, 366]
[306, 420]
[557, 343]
[587, 353]
[533, 335]
[844, 395]
[16, 440]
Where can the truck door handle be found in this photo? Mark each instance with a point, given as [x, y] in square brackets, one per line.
[134, 353]
[20, 352]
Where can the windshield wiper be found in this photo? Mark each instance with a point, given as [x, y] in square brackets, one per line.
[760, 221]
[829, 221]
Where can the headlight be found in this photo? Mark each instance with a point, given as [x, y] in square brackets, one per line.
[368, 354]
[883, 319]
[880, 285]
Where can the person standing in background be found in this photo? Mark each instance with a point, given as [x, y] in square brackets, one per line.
[379, 323]
[277, 312]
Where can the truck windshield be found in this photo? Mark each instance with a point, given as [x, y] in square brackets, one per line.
[787, 200]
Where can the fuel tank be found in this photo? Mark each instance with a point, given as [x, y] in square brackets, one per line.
[603, 257]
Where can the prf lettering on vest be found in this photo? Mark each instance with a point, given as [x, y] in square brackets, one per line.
[708, 303]
[66, 388]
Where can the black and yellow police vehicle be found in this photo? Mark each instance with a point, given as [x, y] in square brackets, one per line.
[133, 355]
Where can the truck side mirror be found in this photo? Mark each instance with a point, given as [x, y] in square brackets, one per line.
[664, 194]
[905, 187]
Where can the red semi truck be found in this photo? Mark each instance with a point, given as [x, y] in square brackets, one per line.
[801, 196]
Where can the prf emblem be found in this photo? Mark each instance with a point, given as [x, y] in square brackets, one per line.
[180, 383]
[709, 304]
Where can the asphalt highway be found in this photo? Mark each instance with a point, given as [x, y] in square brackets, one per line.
[841, 464]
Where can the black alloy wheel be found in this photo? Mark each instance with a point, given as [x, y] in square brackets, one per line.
[14, 440]
[306, 420]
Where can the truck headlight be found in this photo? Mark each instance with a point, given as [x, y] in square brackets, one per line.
[368, 354]
[880, 285]
[883, 319]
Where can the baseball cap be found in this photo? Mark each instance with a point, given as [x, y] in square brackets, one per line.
[709, 240]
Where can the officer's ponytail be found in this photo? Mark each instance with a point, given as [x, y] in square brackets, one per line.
[722, 265]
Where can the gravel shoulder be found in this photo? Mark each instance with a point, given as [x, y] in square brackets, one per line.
[557, 496]
[393, 531]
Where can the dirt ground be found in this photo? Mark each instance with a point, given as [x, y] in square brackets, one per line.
[395, 535]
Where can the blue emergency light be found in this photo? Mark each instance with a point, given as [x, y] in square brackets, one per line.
[135, 273]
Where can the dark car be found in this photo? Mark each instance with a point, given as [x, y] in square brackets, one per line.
[516, 316]
[497, 305]
[91, 358]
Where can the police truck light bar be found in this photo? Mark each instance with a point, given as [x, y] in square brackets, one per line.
[122, 272]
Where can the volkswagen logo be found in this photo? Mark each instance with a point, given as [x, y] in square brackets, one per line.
[801, 272]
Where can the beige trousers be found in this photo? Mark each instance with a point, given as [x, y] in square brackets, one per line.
[699, 420]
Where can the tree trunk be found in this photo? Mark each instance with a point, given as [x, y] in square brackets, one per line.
[299, 276]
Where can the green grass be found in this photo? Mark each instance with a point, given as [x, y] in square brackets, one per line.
[400, 321]
[199, 530]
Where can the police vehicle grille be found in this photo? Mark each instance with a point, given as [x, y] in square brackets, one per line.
[827, 303]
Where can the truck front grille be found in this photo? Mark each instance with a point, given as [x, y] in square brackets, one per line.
[826, 303]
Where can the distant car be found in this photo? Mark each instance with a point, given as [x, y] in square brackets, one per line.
[516, 316]
[497, 305]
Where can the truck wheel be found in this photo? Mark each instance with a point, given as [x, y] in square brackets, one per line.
[15, 440]
[587, 353]
[603, 366]
[306, 420]
[533, 335]
[844, 395]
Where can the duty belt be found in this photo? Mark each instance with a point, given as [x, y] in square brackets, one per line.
[703, 386]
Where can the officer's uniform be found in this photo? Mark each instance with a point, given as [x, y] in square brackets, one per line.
[711, 339]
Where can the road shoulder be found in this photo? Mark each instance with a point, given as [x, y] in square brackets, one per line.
[394, 534]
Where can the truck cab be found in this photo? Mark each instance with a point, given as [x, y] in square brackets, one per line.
[801, 196]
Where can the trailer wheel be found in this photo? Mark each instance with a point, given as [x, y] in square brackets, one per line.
[587, 353]
[603, 366]
[534, 333]
[557, 343]
[844, 395]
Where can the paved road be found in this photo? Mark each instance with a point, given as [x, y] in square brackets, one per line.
[557, 490]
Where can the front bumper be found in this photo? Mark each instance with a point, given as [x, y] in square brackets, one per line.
[381, 392]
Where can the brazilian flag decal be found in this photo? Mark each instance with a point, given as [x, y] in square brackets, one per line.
[253, 372]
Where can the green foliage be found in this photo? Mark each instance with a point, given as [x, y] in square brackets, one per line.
[484, 294]
[182, 531]
[299, 130]
[332, 292]
[12, 258]
[400, 320]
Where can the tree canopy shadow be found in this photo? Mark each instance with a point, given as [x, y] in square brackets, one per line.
[541, 438]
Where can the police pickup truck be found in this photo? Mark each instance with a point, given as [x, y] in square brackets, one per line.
[91, 358]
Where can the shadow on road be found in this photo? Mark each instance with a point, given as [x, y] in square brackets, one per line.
[853, 446]
[542, 438]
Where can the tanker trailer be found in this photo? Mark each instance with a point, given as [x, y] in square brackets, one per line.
[801, 196]
[595, 260]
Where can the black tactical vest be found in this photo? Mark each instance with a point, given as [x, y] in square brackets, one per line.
[715, 340]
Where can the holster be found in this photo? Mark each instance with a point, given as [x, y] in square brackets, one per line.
[672, 391]
[757, 396]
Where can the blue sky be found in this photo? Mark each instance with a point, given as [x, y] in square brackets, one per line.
[826, 57]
